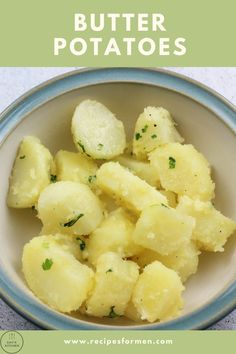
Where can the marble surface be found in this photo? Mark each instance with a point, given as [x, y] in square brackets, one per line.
[15, 81]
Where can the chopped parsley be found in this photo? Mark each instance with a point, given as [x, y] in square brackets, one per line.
[91, 179]
[82, 244]
[109, 270]
[138, 136]
[73, 221]
[164, 205]
[81, 146]
[33, 207]
[144, 129]
[153, 136]
[53, 178]
[100, 146]
[22, 157]
[47, 264]
[112, 313]
[172, 162]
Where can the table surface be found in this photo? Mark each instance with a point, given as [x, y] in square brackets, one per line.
[15, 81]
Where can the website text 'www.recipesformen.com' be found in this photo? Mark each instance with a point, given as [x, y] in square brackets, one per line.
[120, 341]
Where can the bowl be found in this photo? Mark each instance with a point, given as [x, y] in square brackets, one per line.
[205, 119]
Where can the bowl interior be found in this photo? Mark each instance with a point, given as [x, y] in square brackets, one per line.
[201, 127]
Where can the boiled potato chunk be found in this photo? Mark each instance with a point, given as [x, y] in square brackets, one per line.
[142, 169]
[54, 275]
[130, 190]
[171, 197]
[114, 234]
[114, 282]
[96, 131]
[183, 170]
[212, 228]
[77, 167]
[163, 229]
[69, 207]
[184, 260]
[157, 293]
[154, 127]
[132, 313]
[30, 174]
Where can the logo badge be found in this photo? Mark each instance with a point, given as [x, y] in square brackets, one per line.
[11, 342]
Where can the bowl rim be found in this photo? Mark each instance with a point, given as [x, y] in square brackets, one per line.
[39, 313]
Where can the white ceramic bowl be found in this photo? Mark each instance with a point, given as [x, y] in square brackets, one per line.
[205, 120]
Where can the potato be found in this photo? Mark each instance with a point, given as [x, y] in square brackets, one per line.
[71, 244]
[157, 293]
[54, 275]
[184, 260]
[132, 313]
[114, 283]
[183, 170]
[130, 190]
[69, 207]
[154, 127]
[30, 174]
[96, 131]
[77, 167]
[212, 228]
[114, 234]
[163, 229]
[171, 197]
[142, 169]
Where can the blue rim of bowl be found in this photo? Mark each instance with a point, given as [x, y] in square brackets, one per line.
[30, 307]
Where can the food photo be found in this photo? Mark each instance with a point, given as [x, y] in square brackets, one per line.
[118, 200]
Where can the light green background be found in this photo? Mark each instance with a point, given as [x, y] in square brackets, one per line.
[27, 29]
[184, 342]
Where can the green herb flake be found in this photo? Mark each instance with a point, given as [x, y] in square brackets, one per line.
[53, 178]
[138, 136]
[112, 313]
[92, 179]
[33, 208]
[153, 136]
[109, 270]
[172, 162]
[82, 244]
[22, 157]
[144, 129]
[164, 205]
[81, 146]
[73, 221]
[47, 264]
[100, 146]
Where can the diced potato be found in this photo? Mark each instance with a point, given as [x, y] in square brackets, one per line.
[142, 169]
[113, 235]
[130, 190]
[132, 313]
[71, 244]
[77, 167]
[54, 275]
[163, 229]
[154, 127]
[183, 170]
[114, 282]
[96, 131]
[171, 197]
[212, 228]
[30, 174]
[69, 207]
[157, 293]
[184, 261]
